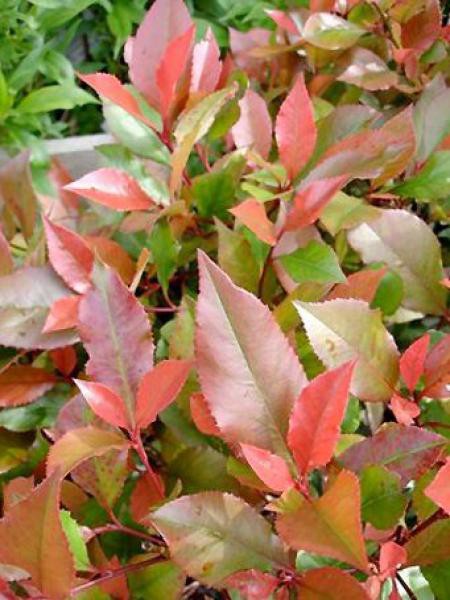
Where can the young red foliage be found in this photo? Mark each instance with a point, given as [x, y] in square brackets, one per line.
[413, 360]
[271, 469]
[253, 215]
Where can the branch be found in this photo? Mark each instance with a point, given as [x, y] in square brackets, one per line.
[116, 573]
[436, 516]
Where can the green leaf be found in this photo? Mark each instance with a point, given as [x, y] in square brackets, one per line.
[431, 545]
[135, 135]
[65, 11]
[382, 501]
[432, 182]
[236, 258]
[330, 32]
[164, 252]
[214, 193]
[54, 97]
[410, 249]
[314, 262]
[37, 415]
[212, 535]
[389, 294]
[13, 449]
[162, 580]
[438, 576]
[344, 212]
[77, 544]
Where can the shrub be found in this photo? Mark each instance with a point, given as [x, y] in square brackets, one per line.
[226, 370]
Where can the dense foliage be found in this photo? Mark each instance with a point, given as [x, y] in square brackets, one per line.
[225, 359]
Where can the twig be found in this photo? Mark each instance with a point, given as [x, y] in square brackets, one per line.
[117, 573]
[406, 587]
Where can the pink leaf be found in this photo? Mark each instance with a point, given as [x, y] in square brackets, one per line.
[116, 333]
[104, 402]
[165, 21]
[63, 314]
[112, 188]
[311, 200]
[254, 128]
[64, 359]
[171, 69]
[109, 87]
[314, 426]
[201, 415]
[206, 65]
[270, 468]
[253, 215]
[413, 360]
[249, 390]
[159, 388]
[404, 410]
[439, 488]
[70, 256]
[284, 21]
[437, 369]
[392, 556]
[253, 584]
[295, 129]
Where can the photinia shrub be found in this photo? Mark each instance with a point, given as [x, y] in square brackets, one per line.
[225, 359]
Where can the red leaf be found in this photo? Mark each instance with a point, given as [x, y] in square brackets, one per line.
[439, 488]
[159, 388]
[206, 65]
[407, 451]
[330, 525]
[270, 468]
[145, 496]
[437, 369]
[69, 256]
[170, 72]
[254, 128]
[33, 540]
[64, 359]
[14, 491]
[201, 415]
[109, 87]
[22, 384]
[361, 285]
[253, 215]
[392, 556]
[311, 200]
[165, 21]
[423, 29]
[404, 410]
[295, 129]
[314, 426]
[63, 314]
[112, 188]
[105, 403]
[330, 583]
[413, 360]
[113, 255]
[116, 333]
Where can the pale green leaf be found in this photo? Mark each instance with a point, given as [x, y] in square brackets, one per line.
[314, 262]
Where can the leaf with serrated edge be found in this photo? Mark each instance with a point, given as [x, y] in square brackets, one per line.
[117, 335]
[329, 526]
[212, 535]
[238, 345]
[345, 329]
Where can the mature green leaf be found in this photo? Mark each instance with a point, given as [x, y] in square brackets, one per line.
[212, 535]
[345, 212]
[54, 97]
[344, 329]
[76, 542]
[388, 239]
[236, 258]
[161, 580]
[432, 182]
[314, 262]
[382, 500]
[164, 251]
